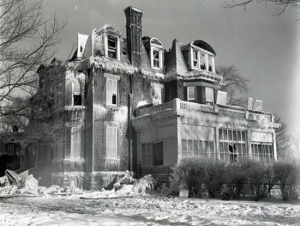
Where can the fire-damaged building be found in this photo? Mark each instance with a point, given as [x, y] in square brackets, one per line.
[129, 104]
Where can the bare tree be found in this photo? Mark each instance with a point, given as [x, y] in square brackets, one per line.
[283, 4]
[39, 116]
[22, 23]
[234, 85]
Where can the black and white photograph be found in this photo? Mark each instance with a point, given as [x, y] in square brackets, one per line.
[147, 112]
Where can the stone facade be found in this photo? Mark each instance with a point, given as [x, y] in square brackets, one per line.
[131, 105]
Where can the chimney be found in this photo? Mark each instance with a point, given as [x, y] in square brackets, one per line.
[134, 34]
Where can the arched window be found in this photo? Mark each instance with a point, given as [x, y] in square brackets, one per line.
[156, 53]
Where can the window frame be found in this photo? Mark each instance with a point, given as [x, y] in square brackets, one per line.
[213, 95]
[238, 138]
[188, 93]
[205, 148]
[159, 50]
[108, 36]
[110, 93]
[9, 151]
[110, 139]
[147, 155]
[209, 60]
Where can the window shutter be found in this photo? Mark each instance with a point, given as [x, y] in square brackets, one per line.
[185, 93]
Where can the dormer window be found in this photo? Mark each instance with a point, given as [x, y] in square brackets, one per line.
[109, 38]
[156, 53]
[200, 56]
[202, 60]
[112, 46]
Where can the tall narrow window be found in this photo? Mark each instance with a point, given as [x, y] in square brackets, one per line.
[158, 154]
[156, 58]
[156, 53]
[112, 46]
[111, 142]
[202, 61]
[147, 154]
[191, 93]
[209, 93]
[195, 59]
[111, 91]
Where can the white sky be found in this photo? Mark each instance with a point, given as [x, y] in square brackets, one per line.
[263, 47]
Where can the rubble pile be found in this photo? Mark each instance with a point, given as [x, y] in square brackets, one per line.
[14, 184]
[24, 184]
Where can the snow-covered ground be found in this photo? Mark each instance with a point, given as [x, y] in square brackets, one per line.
[145, 210]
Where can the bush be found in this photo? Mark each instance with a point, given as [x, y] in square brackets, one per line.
[259, 176]
[236, 179]
[287, 178]
[199, 176]
[211, 178]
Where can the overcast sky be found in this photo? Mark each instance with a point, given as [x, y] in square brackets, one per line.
[263, 47]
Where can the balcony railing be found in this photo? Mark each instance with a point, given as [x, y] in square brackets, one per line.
[232, 111]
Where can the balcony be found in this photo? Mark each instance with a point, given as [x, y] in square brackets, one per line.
[232, 111]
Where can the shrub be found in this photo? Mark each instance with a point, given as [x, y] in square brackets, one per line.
[198, 175]
[259, 176]
[236, 179]
[287, 177]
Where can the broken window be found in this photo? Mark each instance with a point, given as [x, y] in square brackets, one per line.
[158, 154]
[112, 46]
[111, 91]
[111, 142]
[191, 93]
[77, 100]
[10, 149]
[156, 53]
[232, 145]
[195, 59]
[202, 61]
[156, 58]
[209, 63]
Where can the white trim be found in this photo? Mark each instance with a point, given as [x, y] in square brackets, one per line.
[107, 75]
[160, 55]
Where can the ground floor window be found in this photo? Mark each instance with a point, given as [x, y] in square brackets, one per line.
[191, 148]
[158, 154]
[232, 145]
[111, 142]
[262, 151]
[147, 154]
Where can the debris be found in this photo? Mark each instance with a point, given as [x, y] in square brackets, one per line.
[4, 181]
[127, 179]
[13, 178]
[32, 184]
[53, 189]
[143, 185]
[13, 190]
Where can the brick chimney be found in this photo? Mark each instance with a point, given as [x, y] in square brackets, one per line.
[134, 34]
